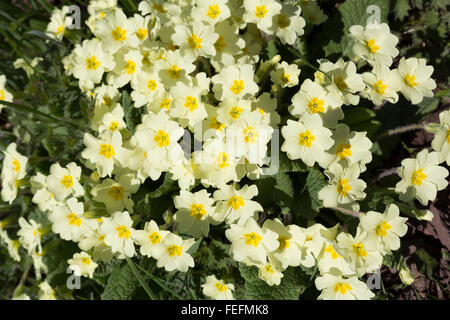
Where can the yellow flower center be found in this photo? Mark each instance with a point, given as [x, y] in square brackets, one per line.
[130, 67]
[223, 160]
[165, 103]
[67, 181]
[343, 187]
[220, 44]
[107, 151]
[269, 268]
[117, 192]
[334, 255]
[306, 139]
[2, 94]
[284, 242]
[236, 112]
[250, 135]
[59, 30]
[237, 87]
[236, 202]
[340, 83]
[191, 103]
[152, 85]
[221, 287]
[358, 248]
[283, 21]
[371, 46]
[448, 135]
[123, 232]
[174, 250]
[382, 228]
[213, 11]
[155, 238]
[379, 87]
[107, 101]
[162, 139]
[141, 33]
[16, 165]
[417, 177]
[86, 261]
[198, 211]
[194, 42]
[261, 11]
[119, 34]
[344, 150]
[252, 239]
[342, 287]
[410, 80]
[74, 220]
[174, 72]
[309, 238]
[315, 105]
[113, 126]
[92, 63]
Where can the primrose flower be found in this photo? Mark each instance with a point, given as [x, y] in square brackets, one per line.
[306, 139]
[118, 234]
[30, 235]
[90, 62]
[270, 274]
[235, 205]
[173, 255]
[374, 43]
[150, 238]
[380, 85]
[228, 45]
[63, 182]
[128, 67]
[313, 98]
[195, 40]
[261, 13]
[361, 251]
[46, 292]
[234, 81]
[288, 24]
[210, 11]
[116, 195]
[5, 95]
[291, 239]
[82, 265]
[345, 189]
[69, 221]
[345, 81]
[103, 152]
[59, 21]
[336, 287]
[284, 74]
[441, 141]
[217, 289]
[194, 212]
[422, 177]
[250, 244]
[385, 228]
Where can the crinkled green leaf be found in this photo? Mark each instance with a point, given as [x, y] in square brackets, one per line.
[121, 284]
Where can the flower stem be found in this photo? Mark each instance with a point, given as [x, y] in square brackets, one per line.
[140, 279]
[400, 130]
[348, 212]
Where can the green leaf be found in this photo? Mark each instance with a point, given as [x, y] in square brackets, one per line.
[401, 9]
[355, 116]
[393, 260]
[271, 49]
[292, 284]
[430, 262]
[283, 192]
[105, 268]
[194, 247]
[121, 284]
[132, 114]
[288, 165]
[315, 181]
[427, 106]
